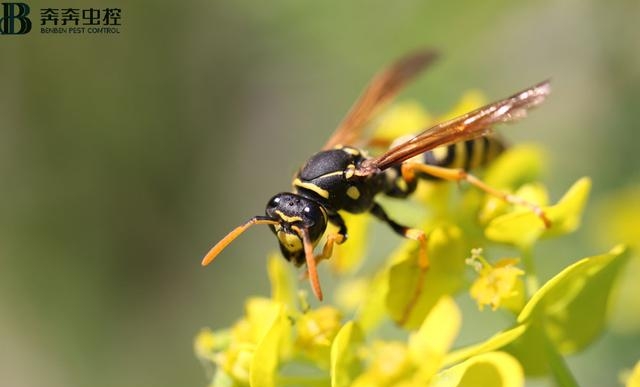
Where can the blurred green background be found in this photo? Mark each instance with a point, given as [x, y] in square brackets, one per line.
[124, 157]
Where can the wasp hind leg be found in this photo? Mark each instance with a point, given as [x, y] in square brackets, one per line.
[409, 171]
[423, 258]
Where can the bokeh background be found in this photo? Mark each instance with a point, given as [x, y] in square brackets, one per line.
[124, 157]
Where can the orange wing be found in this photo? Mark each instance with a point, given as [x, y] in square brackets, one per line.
[465, 127]
[382, 88]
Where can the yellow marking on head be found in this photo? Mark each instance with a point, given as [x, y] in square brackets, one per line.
[312, 187]
[286, 218]
[290, 241]
[353, 192]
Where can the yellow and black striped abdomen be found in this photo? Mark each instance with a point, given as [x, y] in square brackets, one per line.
[467, 155]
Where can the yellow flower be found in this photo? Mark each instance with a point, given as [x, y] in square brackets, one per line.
[316, 330]
[425, 360]
[390, 363]
[287, 340]
[403, 118]
[496, 284]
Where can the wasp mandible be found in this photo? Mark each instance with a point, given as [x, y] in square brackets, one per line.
[342, 177]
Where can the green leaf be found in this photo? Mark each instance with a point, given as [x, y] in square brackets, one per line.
[345, 364]
[412, 292]
[263, 371]
[531, 351]
[569, 311]
[572, 305]
[497, 341]
[493, 369]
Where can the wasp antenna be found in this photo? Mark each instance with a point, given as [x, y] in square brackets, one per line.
[224, 242]
[311, 261]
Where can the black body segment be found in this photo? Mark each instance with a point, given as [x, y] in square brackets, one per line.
[329, 177]
[328, 183]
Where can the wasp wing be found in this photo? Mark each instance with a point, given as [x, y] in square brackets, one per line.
[474, 124]
[382, 88]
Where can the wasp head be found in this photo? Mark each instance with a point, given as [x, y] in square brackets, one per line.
[294, 214]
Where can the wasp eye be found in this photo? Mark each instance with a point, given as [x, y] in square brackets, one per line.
[274, 202]
[306, 209]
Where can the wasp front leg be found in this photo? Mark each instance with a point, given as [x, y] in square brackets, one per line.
[338, 237]
[410, 169]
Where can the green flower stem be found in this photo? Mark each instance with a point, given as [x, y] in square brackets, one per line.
[532, 284]
[561, 373]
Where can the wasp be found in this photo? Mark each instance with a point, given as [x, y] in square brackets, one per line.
[343, 177]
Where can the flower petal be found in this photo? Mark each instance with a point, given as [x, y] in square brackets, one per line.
[493, 369]
[412, 292]
[429, 345]
[267, 354]
[344, 362]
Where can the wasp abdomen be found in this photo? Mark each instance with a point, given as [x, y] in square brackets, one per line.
[467, 155]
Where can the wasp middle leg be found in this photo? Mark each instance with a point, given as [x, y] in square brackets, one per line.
[339, 237]
[423, 258]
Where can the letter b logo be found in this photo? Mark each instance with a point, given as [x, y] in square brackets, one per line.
[12, 13]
